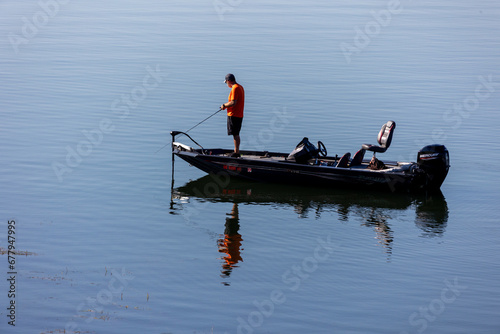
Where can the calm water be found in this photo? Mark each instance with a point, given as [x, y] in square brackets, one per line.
[90, 90]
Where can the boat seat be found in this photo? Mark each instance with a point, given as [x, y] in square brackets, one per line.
[384, 139]
[358, 158]
[344, 161]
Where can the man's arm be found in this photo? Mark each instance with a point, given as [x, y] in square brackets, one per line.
[228, 104]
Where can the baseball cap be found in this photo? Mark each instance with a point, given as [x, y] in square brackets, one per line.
[229, 77]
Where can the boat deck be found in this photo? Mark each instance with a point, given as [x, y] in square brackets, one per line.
[276, 157]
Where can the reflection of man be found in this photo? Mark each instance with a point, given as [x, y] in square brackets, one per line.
[231, 243]
[234, 106]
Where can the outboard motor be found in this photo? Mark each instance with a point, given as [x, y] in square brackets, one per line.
[434, 160]
[303, 152]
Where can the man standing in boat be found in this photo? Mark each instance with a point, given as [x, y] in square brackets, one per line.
[234, 106]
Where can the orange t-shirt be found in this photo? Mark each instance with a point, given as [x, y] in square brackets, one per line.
[237, 94]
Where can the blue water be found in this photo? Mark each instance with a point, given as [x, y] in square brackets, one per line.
[89, 92]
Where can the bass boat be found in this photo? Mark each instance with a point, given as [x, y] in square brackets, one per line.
[312, 166]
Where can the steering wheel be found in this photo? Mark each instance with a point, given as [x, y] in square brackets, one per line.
[322, 149]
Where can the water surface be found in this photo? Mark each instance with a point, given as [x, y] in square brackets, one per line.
[107, 244]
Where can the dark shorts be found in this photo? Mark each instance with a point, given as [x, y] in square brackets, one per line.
[234, 125]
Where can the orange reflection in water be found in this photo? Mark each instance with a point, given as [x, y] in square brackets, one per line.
[230, 245]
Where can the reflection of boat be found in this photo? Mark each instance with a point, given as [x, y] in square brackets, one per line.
[373, 209]
[219, 188]
[308, 165]
[432, 215]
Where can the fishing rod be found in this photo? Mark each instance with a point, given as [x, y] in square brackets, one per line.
[203, 121]
[185, 132]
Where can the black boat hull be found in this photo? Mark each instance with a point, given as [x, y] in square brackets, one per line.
[273, 167]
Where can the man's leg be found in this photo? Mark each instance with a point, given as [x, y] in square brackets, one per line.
[236, 143]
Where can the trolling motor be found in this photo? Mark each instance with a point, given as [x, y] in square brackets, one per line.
[175, 133]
